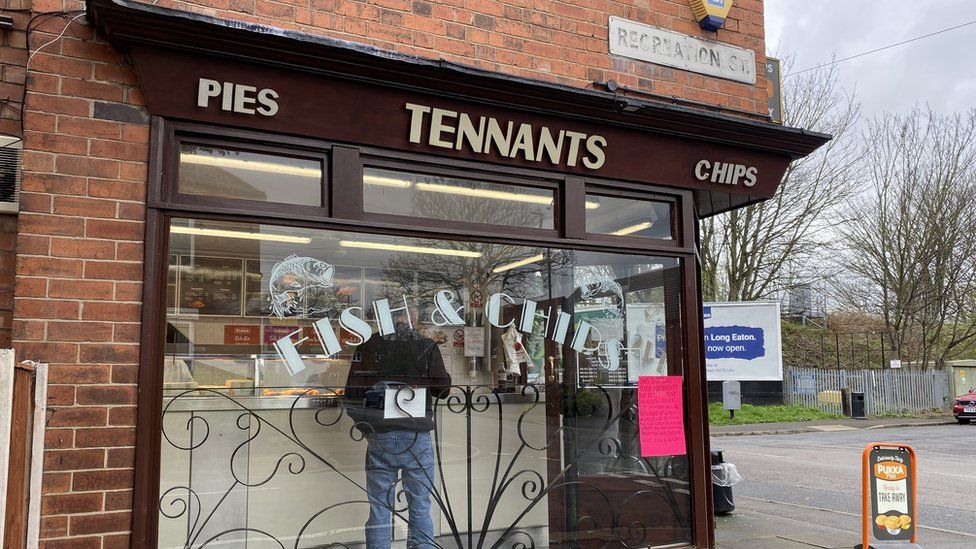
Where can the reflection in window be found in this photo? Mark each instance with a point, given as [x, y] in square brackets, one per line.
[240, 175]
[289, 353]
[453, 199]
[620, 216]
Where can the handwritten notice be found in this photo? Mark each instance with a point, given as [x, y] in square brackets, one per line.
[661, 416]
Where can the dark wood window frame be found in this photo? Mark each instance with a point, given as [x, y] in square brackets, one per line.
[321, 155]
[345, 168]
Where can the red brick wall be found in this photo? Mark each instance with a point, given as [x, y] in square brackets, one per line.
[79, 248]
[8, 259]
[564, 41]
[79, 277]
[13, 55]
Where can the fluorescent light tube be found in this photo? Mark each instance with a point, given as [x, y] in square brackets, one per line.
[383, 181]
[633, 228]
[220, 233]
[251, 165]
[517, 264]
[406, 248]
[485, 193]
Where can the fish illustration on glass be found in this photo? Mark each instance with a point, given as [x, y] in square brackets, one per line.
[294, 277]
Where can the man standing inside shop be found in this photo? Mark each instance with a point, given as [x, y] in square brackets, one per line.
[382, 393]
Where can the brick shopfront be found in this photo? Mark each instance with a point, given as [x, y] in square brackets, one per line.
[394, 302]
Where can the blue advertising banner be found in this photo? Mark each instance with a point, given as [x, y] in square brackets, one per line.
[741, 342]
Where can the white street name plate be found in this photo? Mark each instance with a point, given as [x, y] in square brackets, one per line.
[664, 47]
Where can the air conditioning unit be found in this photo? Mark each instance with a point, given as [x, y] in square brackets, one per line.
[11, 162]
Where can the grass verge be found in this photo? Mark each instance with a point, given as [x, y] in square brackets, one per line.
[765, 414]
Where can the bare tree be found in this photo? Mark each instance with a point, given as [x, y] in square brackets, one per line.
[911, 248]
[765, 249]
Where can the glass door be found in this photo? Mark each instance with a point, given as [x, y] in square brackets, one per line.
[616, 497]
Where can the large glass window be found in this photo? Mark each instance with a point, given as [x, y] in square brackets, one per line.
[243, 175]
[326, 387]
[455, 199]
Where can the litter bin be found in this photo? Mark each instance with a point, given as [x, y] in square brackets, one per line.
[858, 406]
[722, 483]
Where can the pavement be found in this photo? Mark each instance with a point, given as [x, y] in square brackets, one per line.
[802, 490]
[827, 425]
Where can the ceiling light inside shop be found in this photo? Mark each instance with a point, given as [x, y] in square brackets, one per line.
[406, 248]
[220, 233]
[383, 181]
[517, 264]
[633, 228]
[250, 165]
[485, 193]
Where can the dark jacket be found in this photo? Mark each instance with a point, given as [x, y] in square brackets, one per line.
[406, 358]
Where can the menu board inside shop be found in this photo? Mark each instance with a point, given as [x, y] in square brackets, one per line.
[257, 298]
[211, 285]
[242, 334]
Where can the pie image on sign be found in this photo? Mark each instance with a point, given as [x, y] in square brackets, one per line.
[894, 524]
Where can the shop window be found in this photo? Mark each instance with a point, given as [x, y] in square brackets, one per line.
[245, 175]
[456, 199]
[303, 368]
[623, 216]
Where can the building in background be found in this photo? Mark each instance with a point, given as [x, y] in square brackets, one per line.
[224, 201]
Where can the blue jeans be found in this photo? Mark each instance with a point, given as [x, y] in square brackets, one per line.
[411, 454]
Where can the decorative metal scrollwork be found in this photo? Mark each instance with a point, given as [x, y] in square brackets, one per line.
[595, 516]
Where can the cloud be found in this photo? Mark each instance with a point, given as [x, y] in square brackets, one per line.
[939, 71]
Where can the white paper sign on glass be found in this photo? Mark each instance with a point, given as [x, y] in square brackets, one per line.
[474, 341]
[403, 402]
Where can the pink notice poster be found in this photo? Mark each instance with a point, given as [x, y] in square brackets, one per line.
[661, 416]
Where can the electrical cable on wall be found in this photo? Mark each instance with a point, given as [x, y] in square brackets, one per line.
[33, 24]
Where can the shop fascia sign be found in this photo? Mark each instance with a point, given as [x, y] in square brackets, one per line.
[459, 131]
[238, 98]
[479, 134]
[447, 312]
[726, 173]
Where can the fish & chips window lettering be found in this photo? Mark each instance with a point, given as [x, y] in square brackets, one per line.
[393, 304]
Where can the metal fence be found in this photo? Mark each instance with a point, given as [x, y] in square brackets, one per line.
[823, 349]
[885, 391]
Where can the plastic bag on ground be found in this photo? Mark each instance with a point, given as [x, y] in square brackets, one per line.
[725, 474]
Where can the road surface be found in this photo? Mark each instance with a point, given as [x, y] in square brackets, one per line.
[814, 478]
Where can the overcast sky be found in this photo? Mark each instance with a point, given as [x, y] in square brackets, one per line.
[939, 70]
